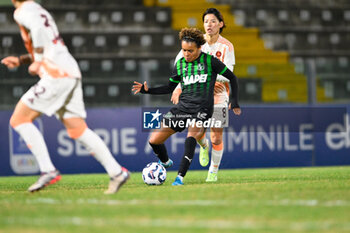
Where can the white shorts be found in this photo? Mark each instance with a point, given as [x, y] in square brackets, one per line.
[60, 96]
[220, 113]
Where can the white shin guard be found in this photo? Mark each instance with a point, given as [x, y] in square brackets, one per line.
[94, 144]
[216, 156]
[35, 142]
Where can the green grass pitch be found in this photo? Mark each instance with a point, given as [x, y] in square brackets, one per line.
[243, 200]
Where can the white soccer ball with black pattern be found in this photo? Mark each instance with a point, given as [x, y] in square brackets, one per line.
[154, 174]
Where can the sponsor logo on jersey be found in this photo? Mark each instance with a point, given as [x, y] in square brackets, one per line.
[197, 78]
[200, 67]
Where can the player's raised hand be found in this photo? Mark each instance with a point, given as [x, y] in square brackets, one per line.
[11, 62]
[136, 88]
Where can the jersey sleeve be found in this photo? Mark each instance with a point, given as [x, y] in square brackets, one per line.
[234, 87]
[229, 59]
[161, 90]
[178, 57]
[35, 23]
[38, 31]
[218, 66]
[40, 24]
[22, 17]
[176, 75]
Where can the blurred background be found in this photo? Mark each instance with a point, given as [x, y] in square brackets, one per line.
[287, 52]
[292, 60]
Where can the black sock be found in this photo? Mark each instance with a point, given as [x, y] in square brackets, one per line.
[160, 151]
[190, 146]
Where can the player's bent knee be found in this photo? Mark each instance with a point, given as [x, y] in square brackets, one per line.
[76, 132]
[154, 142]
[216, 139]
[16, 120]
[154, 139]
[218, 147]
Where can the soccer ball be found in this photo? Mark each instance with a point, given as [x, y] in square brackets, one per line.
[154, 174]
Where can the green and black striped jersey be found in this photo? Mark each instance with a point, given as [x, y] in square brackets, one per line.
[197, 81]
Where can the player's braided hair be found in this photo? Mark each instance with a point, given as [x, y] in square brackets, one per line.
[192, 35]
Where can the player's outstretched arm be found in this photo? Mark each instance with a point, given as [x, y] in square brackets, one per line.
[144, 89]
[223, 70]
[11, 62]
[136, 88]
[234, 91]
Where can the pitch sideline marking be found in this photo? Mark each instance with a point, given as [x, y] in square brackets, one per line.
[174, 223]
[283, 202]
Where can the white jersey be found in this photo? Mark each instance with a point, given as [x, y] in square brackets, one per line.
[38, 29]
[223, 50]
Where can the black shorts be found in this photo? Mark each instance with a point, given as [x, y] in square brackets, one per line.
[179, 120]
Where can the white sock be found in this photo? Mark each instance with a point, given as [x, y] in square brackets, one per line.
[167, 162]
[216, 156]
[35, 142]
[181, 178]
[94, 144]
[203, 142]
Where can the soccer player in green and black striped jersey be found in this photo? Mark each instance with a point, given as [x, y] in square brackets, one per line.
[197, 72]
[197, 81]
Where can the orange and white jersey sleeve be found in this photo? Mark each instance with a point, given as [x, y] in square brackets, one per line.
[224, 51]
[39, 30]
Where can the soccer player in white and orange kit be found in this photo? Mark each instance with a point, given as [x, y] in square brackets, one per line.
[222, 49]
[58, 92]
